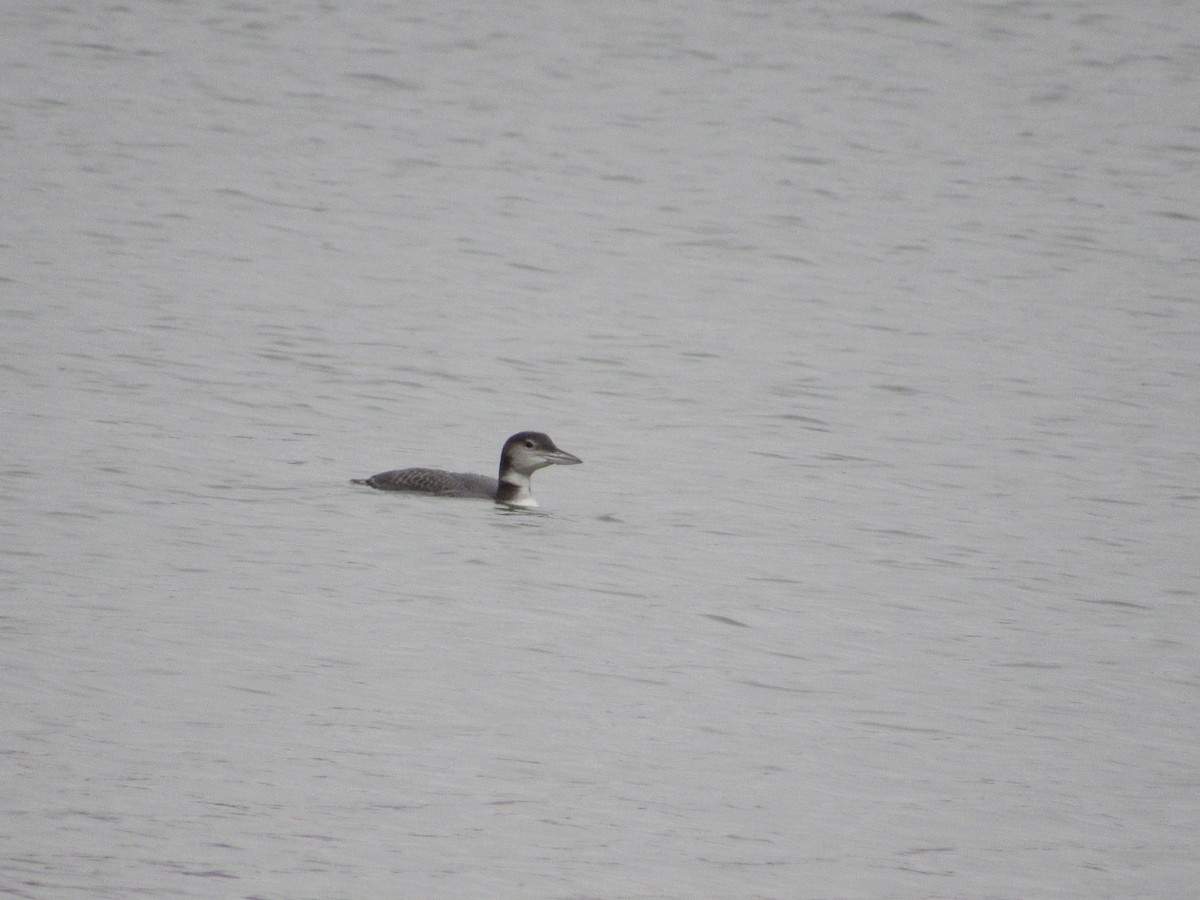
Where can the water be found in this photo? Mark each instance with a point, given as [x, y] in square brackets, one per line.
[875, 326]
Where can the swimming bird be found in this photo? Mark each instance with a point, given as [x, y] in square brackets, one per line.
[522, 455]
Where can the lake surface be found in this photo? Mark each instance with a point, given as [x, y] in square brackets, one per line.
[876, 327]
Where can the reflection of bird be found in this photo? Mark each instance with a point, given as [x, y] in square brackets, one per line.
[523, 454]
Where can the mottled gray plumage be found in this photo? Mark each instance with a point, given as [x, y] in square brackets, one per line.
[434, 481]
[523, 454]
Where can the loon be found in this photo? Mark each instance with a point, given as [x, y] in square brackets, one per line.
[523, 454]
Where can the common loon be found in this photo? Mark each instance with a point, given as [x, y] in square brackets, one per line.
[523, 454]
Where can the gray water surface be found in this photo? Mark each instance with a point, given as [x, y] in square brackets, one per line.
[877, 330]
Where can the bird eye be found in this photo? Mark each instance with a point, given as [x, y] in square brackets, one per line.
[529, 444]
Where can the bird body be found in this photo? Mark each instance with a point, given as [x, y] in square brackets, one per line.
[433, 481]
[522, 455]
